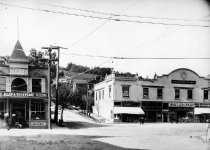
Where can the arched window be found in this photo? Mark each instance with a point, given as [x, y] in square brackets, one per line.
[19, 84]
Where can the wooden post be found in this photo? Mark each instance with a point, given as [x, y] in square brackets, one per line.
[29, 115]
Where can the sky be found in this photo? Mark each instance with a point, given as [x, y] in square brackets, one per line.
[173, 29]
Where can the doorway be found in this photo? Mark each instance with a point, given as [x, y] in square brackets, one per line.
[19, 113]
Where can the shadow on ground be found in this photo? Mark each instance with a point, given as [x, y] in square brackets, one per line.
[55, 142]
[80, 125]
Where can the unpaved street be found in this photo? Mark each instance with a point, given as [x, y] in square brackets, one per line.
[82, 133]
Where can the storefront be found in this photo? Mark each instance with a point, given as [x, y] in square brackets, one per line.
[127, 112]
[25, 109]
[23, 91]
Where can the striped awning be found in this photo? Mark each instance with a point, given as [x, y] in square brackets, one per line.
[198, 111]
[128, 110]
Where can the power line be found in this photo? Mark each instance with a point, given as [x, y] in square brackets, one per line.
[106, 18]
[122, 15]
[101, 25]
[160, 37]
[115, 57]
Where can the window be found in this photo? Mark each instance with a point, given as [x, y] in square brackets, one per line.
[205, 94]
[36, 85]
[189, 94]
[38, 111]
[2, 84]
[117, 104]
[145, 93]
[177, 93]
[160, 93]
[125, 91]
[110, 91]
[19, 84]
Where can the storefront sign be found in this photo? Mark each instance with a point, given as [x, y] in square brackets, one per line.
[207, 105]
[38, 123]
[183, 82]
[23, 94]
[181, 105]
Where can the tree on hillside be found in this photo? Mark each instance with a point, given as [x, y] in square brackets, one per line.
[65, 96]
[101, 72]
[76, 68]
[124, 74]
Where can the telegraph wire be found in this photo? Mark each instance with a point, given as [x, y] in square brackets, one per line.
[115, 57]
[101, 25]
[122, 15]
[104, 18]
[159, 37]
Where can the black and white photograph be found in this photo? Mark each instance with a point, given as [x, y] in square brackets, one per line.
[105, 75]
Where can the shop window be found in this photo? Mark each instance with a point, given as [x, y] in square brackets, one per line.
[205, 94]
[145, 92]
[36, 85]
[2, 83]
[117, 103]
[110, 91]
[177, 93]
[125, 91]
[159, 93]
[38, 111]
[19, 84]
[2, 109]
[189, 94]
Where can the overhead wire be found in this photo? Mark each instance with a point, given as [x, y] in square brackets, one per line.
[121, 15]
[115, 57]
[100, 26]
[102, 18]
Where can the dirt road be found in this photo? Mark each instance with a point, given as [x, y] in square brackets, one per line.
[83, 134]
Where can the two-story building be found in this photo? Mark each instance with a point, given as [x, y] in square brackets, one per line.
[23, 91]
[179, 94]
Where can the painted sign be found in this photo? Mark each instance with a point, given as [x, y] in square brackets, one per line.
[183, 82]
[38, 123]
[202, 105]
[181, 104]
[23, 94]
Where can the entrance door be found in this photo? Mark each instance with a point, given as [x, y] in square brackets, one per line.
[19, 113]
[165, 117]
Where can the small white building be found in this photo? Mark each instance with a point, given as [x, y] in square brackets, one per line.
[109, 95]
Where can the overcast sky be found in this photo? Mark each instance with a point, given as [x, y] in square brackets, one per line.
[130, 38]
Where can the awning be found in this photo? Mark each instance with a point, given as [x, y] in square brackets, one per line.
[198, 111]
[128, 110]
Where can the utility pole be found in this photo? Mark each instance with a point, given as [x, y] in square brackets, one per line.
[49, 84]
[57, 79]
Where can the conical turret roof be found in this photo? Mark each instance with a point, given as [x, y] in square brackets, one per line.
[18, 55]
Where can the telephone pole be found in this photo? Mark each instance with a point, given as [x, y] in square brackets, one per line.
[49, 84]
[57, 79]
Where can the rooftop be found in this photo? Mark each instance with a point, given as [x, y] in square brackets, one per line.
[18, 55]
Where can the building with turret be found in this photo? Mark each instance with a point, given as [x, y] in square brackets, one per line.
[23, 91]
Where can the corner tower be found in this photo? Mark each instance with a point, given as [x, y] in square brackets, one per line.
[18, 61]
